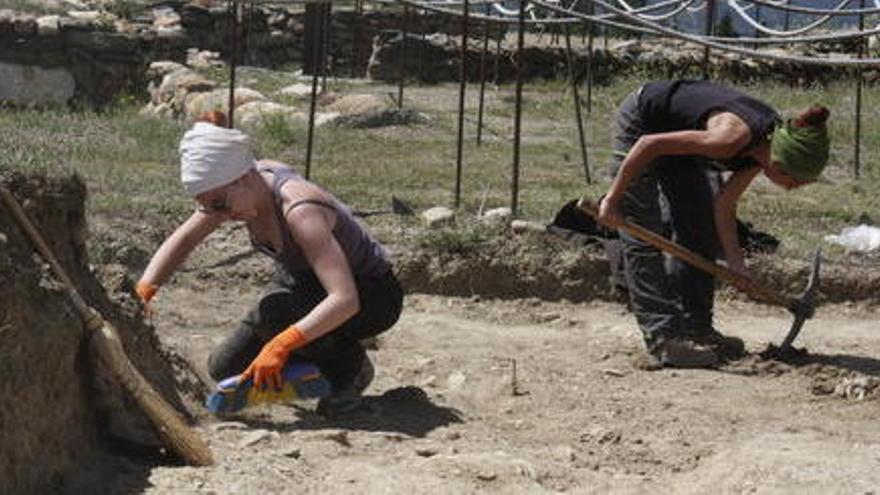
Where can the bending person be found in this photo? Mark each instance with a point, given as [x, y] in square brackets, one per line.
[333, 284]
[669, 135]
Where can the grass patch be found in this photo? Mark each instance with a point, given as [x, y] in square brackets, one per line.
[129, 162]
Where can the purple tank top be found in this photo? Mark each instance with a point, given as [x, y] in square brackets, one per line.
[365, 255]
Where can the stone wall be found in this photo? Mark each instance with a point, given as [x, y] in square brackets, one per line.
[92, 55]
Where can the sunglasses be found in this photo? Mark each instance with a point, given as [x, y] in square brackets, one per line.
[220, 205]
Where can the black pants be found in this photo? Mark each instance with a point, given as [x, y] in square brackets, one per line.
[674, 198]
[289, 297]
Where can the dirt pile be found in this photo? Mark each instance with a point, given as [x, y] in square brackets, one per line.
[60, 405]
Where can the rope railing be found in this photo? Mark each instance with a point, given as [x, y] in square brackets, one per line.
[703, 41]
[738, 9]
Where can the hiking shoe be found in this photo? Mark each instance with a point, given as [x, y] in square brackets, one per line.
[680, 353]
[725, 346]
[350, 398]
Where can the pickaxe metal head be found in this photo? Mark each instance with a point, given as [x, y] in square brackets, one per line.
[804, 306]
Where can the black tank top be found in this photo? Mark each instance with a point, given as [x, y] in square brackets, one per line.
[667, 106]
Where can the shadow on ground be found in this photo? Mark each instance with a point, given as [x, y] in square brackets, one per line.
[406, 410]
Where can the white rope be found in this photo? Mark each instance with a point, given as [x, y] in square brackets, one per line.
[603, 20]
[785, 6]
[684, 5]
[831, 62]
[809, 27]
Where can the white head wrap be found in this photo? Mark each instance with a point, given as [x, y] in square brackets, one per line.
[212, 156]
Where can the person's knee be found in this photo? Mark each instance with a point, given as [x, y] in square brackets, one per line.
[222, 366]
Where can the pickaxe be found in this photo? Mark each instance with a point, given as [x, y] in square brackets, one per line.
[802, 306]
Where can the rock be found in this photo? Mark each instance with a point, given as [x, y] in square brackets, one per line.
[254, 113]
[355, 104]
[48, 25]
[159, 69]
[195, 16]
[372, 119]
[32, 85]
[455, 380]
[165, 18]
[487, 475]
[177, 86]
[202, 59]
[340, 437]
[257, 436]
[89, 16]
[438, 216]
[298, 90]
[219, 100]
[292, 452]
[25, 25]
[427, 451]
[501, 214]
[229, 425]
[522, 226]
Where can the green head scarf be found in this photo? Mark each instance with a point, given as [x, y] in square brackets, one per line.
[801, 152]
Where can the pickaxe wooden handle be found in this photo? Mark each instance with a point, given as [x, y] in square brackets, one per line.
[745, 284]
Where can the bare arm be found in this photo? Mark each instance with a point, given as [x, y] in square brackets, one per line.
[725, 135]
[725, 216]
[177, 247]
[311, 226]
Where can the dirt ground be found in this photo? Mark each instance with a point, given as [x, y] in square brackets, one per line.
[524, 396]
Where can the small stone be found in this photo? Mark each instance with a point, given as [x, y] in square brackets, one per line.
[438, 216]
[565, 453]
[522, 226]
[229, 425]
[453, 435]
[487, 475]
[497, 214]
[613, 372]
[455, 380]
[428, 451]
[257, 436]
[292, 452]
[340, 437]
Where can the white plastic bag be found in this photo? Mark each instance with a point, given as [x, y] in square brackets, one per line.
[863, 238]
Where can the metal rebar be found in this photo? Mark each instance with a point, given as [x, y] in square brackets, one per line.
[857, 148]
[496, 76]
[325, 43]
[482, 83]
[577, 103]
[401, 66]
[424, 41]
[461, 92]
[233, 62]
[590, 63]
[710, 19]
[359, 35]
[316, 72]
[517, 119]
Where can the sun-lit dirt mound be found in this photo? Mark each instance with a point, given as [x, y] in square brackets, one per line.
[59, 405]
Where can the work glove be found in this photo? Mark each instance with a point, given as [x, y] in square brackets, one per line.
[266, 367]
[145, 292]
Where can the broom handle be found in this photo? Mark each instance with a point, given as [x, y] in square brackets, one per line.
[168, 422]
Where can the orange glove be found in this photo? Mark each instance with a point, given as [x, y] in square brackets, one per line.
[266, 367]
[145, 292]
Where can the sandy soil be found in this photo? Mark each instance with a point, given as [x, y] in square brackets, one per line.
[525, 396]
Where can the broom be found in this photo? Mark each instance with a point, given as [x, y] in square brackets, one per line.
[169, 424]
